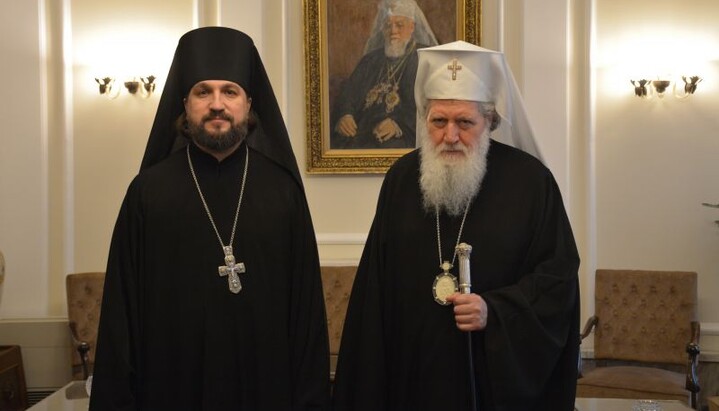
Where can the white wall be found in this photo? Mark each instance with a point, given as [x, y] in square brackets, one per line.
[656, 160]
[23, 163]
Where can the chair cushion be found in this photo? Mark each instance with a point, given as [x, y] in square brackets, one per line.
[633, 382]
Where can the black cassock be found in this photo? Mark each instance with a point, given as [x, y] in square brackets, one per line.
[172, 336]
[402, 351]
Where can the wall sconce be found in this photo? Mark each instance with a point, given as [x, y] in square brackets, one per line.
[649, 88]
[144, 87]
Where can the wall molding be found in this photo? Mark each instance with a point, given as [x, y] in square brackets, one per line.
[708, 328]
[341, 238]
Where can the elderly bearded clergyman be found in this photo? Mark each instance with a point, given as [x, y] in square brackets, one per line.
[404, 344]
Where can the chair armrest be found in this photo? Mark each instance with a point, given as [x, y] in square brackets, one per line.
[589, 326]
[693, 351]
[83, 348]
[591, 323]
[692, 381]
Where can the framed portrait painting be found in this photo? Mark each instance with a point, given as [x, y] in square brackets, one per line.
[360, 65]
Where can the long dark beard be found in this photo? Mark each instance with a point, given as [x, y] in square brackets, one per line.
[217, 142]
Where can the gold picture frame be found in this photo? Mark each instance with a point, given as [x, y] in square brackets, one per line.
[349, 19]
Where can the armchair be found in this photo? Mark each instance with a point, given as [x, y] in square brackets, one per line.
[645, 319]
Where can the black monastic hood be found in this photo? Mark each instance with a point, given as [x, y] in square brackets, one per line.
[220, 53]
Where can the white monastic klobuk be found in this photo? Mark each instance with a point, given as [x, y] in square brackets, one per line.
[463, 71]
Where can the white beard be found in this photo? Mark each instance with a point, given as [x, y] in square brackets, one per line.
[396, 49]
[450, 185]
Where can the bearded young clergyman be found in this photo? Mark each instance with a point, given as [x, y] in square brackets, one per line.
[477, 178]
[213, 296]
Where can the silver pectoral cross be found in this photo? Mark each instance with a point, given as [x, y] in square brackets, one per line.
[231, 270]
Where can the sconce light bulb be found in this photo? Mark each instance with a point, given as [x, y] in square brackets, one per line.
[132, 86]
[104, 84]
[690, 84]
[640, 87]
[106, 87]
[148, 84]
[661, 86]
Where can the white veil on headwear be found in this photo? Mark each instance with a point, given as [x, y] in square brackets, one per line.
[463, 71]
[422, 35]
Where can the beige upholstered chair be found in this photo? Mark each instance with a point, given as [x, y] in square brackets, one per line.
[337, 285]
[644, 319]
[84, 298]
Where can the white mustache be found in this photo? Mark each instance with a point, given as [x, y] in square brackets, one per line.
[445, 147]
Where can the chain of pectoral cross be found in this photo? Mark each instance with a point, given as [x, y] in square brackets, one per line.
[231, 269]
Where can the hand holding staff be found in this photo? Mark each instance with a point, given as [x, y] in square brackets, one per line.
[470, 310]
